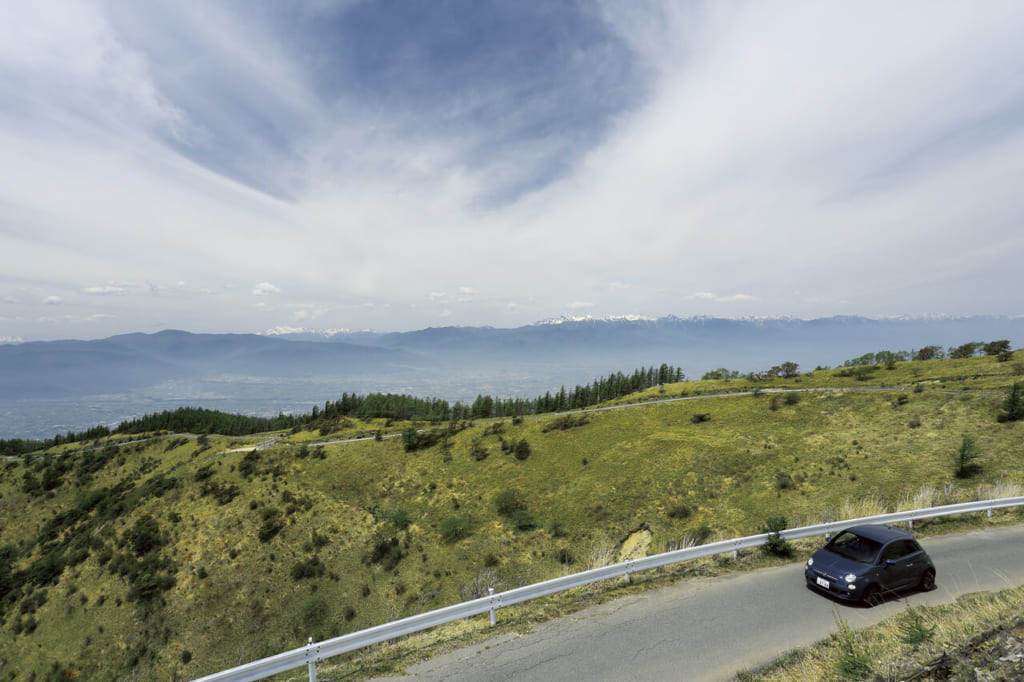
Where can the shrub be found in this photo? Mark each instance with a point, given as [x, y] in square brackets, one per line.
[272, 524]
[521, 450]
[678, 510]
[508, 502]
[775, 544]
[314, 610]
[247, 467]
[144, 536]
[478, 451]
[410, 438]
[222, 492]
[400, 519]
[311, 568]
[791, 398]
[387, 551]
[565, 423]
[700, 418]
[455, 528]
[413, 439]
[784, 481]
[148, 585]
[157, 485]
[522, 519]
[203, 473]
[700, 534]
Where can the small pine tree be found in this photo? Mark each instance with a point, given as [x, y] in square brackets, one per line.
[854, 662]
[912, 629]
[965, 456]
[1013, 406]
[775, 544]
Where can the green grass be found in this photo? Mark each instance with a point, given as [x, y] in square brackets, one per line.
[370, 532]
[903, 645]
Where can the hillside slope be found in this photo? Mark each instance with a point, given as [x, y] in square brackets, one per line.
[169, 556]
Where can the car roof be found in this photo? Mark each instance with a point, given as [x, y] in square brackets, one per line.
[880, 533]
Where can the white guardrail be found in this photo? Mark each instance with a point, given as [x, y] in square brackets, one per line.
[315, 652]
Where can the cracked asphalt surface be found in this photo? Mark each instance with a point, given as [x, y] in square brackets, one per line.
[710, 628]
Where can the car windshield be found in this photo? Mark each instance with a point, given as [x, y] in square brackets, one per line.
[855, 547]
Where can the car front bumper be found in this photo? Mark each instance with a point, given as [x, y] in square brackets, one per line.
[833, 585]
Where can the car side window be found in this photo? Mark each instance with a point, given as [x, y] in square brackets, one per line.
[899, 549]
[892, 551]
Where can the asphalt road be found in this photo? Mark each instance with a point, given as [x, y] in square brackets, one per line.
[708, 629]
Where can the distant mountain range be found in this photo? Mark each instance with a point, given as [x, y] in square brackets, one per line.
[55, 386]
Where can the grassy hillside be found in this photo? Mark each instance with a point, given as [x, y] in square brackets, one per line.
[167, 556]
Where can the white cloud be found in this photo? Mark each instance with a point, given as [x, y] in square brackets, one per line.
[53, 300]
[265, 289]
[733, 298]
[106, 290]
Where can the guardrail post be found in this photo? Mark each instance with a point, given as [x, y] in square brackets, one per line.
[311, 660]
[494, 616]
[911, 522]
[990, 512]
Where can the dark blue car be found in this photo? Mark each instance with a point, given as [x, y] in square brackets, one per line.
[865, 563]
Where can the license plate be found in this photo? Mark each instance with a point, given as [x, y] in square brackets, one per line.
[822, 582]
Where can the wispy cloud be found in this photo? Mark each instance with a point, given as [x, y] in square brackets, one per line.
[732, 298]
[106, 290]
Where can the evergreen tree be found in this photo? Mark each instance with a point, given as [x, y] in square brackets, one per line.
[1013, 405]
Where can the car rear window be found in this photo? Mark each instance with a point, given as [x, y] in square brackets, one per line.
[852, 546]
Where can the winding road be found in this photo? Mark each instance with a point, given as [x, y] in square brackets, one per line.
[708, 629]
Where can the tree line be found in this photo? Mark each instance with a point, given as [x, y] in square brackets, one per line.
[1001, 349]
[388, 406]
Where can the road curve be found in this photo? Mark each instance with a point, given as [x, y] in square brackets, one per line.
[708, 629]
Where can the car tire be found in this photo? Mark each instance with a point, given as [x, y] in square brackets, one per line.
[927, 583]
[872, 595]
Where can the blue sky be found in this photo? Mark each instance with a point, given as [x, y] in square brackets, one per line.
[236, 166]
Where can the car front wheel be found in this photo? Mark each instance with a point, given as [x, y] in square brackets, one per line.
[927, 581]
[872, 595]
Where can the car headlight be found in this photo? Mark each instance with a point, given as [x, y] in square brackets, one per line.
[810, 562]
[850, 578]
